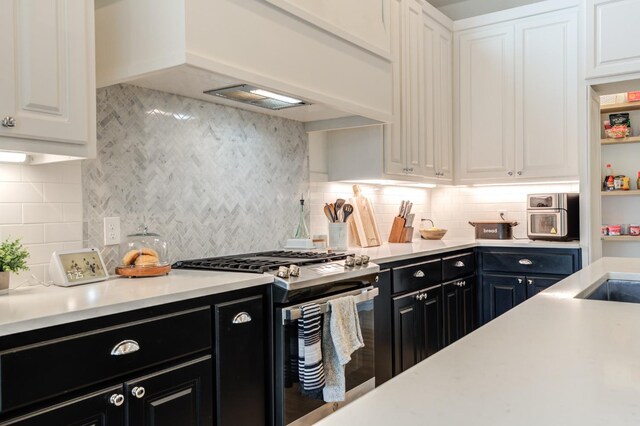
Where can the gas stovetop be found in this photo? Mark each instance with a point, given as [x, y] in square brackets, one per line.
[261, 262]
[292, 269]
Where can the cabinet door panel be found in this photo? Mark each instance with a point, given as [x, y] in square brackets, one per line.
[547, 92]
[452, 312]
[405, 333]
[394, 147]
[181, 395]
[47, 61]
[468, 306]
[241, 360]
[429, 98]
[431, 321]
[537, 284]
[444, 109]
[90, 410]
[611, 34]
[413, 88]
[501, 293]
[486, 102]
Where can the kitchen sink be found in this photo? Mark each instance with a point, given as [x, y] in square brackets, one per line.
[614, 291]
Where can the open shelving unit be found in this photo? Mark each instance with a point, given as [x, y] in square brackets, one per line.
[610, 141]
[627, 238]
[623, 107]
[620, 193]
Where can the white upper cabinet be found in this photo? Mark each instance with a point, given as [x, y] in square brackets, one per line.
[612, 37]
[486, 102]
[418, 143]
[517, 98]
[47, 77]
[546, 96]
[334, 59]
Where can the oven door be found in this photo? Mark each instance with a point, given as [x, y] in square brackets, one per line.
[550, 224]
[294, 408]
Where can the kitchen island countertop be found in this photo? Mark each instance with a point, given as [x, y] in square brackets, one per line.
[552, 360]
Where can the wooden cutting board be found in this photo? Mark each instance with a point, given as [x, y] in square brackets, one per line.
[364, 220]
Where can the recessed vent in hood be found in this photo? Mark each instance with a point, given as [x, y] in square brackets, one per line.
[252, 95]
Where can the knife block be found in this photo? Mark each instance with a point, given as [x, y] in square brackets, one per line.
[399, 232]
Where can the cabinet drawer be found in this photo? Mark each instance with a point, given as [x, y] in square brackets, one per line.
[35, 372]
[526, 263]
[416, 276]
[458, 266]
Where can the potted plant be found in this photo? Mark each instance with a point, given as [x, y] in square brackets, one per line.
[13, 258]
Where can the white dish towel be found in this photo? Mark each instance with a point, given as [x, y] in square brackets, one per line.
[340, 338]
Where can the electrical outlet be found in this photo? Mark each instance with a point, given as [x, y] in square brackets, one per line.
[111, 231]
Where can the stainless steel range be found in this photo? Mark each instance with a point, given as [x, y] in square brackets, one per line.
[302, 278]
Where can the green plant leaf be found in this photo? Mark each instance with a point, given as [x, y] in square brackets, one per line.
[13, 256]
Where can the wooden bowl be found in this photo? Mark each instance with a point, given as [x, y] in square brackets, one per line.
[432, 235]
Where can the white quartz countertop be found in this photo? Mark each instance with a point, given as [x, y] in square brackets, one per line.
[390, 252]
[553, 360]
[30, 308]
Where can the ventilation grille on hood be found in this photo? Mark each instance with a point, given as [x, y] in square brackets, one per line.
[252, 95]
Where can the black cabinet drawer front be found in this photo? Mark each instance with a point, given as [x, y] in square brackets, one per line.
[36, 372]
[458, 266]
[416, 276]
[525, 263]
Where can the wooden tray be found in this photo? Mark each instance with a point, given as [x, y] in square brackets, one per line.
[143, 271]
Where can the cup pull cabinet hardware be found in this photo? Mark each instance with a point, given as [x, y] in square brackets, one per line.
[138, 392]
[519, 280]
[125, 347]
[525, 262]
[241, 318]
[116, 399]
[530, 282]
[459, 264]
[418, 274]
[421, 296]
[8, 122]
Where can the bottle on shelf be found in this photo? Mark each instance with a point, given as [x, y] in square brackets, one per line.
[611, 184]
[609, 176]
[638, 182]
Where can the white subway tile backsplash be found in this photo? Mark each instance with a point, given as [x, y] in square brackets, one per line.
[42, 213]
[41, 253]
[62, 193]
[72, 212]
[17, 192]
[62, 232]
[10, 213]
[28, 234]
[72, 172]
[10, 173]
[42, 173]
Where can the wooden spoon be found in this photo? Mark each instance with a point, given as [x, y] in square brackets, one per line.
[347, 209]
[327, 213]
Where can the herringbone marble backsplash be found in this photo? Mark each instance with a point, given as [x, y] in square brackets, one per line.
[213, 180]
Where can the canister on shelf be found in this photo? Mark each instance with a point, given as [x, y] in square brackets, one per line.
[624, 229]
[614, 230]
[604, 230]
[634, 230]
[625, 183]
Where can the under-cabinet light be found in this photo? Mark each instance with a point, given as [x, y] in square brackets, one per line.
[13, 157]
[525, 183]
[283, 98]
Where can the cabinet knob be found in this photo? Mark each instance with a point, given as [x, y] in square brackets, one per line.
[418, 274]
[464, 283]
[241, 318]
[510, 173]
[530, 282]
[8, 122]
[525, 262]
[410, 169]
[519, 172]
[116, 399]
[138, 392]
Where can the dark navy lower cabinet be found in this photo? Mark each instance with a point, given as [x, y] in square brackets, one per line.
[509, 276]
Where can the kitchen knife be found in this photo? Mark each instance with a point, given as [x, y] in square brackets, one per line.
[401, 208]
[408, 209]
[409, 220]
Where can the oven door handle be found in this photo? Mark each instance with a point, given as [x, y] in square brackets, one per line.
[295, 313]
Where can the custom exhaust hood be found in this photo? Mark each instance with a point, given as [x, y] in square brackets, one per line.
[256, 57]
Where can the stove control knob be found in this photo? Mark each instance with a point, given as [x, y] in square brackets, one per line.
[365, 259]
[349, 261]
[358, 260]
[283, 272]
[294, 271]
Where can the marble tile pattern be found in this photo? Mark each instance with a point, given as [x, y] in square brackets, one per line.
[211, 179]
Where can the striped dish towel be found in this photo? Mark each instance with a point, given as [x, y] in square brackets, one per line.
[310, 368]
